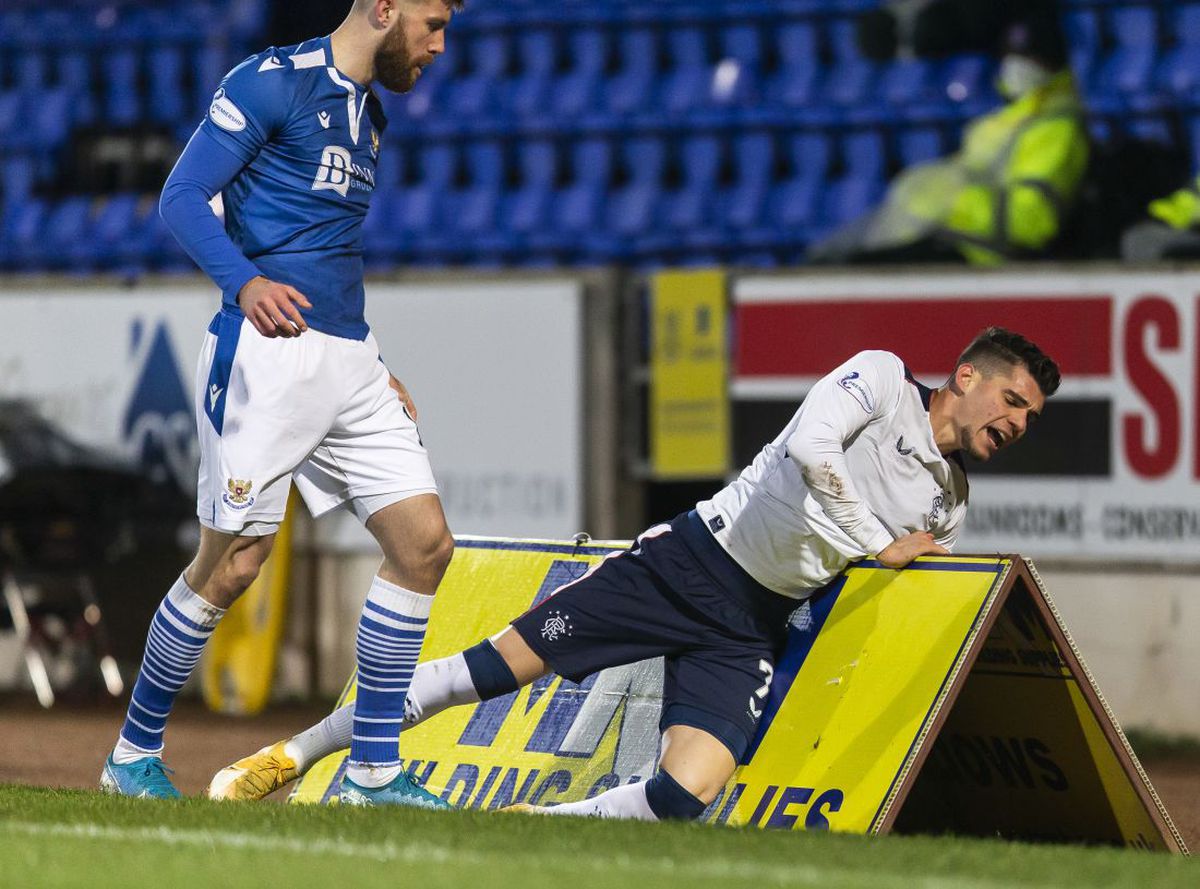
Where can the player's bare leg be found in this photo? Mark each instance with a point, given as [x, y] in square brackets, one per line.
[224, 566]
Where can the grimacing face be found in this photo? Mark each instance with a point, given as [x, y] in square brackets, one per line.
[997, 408]
[416, 38]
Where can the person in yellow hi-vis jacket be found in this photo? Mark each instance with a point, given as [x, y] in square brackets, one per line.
[1008, 190]
[1171, 232]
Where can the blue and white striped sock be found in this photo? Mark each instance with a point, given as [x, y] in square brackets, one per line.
[178, 633]
[390, 632]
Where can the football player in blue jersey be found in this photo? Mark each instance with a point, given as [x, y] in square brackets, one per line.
[871, 465]
[290, 385]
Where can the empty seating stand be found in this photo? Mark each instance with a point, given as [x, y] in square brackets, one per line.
[570, 132]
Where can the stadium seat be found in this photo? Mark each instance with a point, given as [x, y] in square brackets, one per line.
[575, 91]
[1124, 75]
[741, 205]
[738, 74]
[794, 84]
[1084, 41]
[628, 90]
[1178, 73]
[63, 228]
[537, 53]
[20, 229]
[74, 69]
[849, 198]
[864, 155]
[473, 94]
[851, 79]
[686, 83]
[122, 99]
[919, 144]
[166, 85]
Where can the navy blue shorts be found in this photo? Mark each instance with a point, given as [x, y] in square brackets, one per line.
[678, 594]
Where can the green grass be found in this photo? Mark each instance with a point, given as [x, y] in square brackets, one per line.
[78, 838]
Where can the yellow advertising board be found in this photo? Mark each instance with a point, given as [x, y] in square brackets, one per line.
[945, 697]
[689, 407]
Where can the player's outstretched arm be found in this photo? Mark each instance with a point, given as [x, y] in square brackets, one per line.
[272, 307]
[901, 551]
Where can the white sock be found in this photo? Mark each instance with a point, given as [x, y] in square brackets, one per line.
[627, 801]
[328, 736]
[435, 686]
[125, 753]
[372, 776]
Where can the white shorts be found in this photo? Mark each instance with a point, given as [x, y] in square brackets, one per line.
[314, 408]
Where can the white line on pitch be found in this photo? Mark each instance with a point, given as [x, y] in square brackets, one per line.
[417, 852]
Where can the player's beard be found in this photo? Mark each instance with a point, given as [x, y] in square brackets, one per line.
[394, 68]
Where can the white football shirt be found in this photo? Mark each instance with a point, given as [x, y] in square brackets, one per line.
[855, 468]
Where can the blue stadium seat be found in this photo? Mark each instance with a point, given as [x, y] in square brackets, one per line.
[167, 99]
[742, 204]
[1125, 74]
[851, 79]
[103, 233]
[918, 145]
[476, 205]
[794, 84]
[1084, 41]
[74, 69]
[18, 172]
[472, 94]
[122, 99]
[864, 155]
[905, 81]
[1178, 73]
[575, 91]
[685, 85]
[628, 90]
[20, 232]
[63, 228]
[737, 77]
[209, 66]
[537, 52]
[525, 209]
[849, 198]
[689, 207]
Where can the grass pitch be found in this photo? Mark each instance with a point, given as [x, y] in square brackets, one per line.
[79, 838]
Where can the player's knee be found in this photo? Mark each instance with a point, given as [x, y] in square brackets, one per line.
[441, 554]
[670, 800]
[242, 567]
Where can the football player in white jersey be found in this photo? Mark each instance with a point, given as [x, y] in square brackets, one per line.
[870, 466]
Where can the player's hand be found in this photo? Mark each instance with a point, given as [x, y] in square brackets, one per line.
[903, 550]
[405, 398]
[272, 307]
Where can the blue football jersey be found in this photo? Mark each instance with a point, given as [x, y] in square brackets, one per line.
[309, 137]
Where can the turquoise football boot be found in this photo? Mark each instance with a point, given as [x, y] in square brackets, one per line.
[145, 777]
[404, 790]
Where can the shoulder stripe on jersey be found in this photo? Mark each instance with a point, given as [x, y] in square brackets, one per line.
[354, 108]
[312, 59]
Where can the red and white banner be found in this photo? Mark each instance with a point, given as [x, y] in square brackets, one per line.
[1113, 469]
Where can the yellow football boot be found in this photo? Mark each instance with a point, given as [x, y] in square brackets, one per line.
[255, 776]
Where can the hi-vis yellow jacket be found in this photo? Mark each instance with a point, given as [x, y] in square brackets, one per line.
[1005, 193]
[1180, 209]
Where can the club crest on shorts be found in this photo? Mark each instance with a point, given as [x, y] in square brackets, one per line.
[238, 494]
[557, 624]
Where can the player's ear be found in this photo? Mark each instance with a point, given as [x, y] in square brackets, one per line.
[964, 379]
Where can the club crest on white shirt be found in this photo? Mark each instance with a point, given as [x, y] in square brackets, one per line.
[857, 387]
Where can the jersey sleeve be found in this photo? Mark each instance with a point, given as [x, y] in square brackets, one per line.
[250, 106]
[204, 169]
[837, 409]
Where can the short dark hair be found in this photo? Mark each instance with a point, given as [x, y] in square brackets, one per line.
[997, 346]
